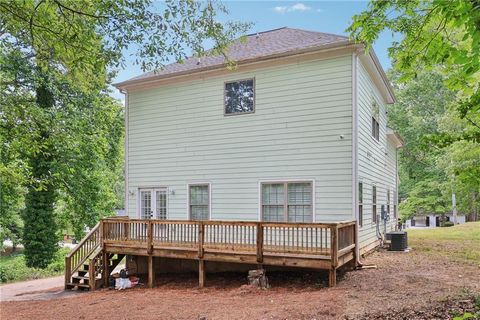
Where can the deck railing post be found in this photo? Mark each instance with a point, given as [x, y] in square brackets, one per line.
[100, 233]
[259, 242]
[334, 245]
[201, 238]
[332, 278]
[125, 230]
[150, 237]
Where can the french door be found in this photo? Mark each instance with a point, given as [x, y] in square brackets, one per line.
[153, 203]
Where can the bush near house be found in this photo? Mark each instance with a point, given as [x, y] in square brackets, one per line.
[13, 267]
[448, 224]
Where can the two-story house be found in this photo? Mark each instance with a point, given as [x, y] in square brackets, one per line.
[296, 133]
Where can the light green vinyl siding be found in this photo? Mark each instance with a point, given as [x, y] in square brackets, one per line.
[376, 159]
[178, 134]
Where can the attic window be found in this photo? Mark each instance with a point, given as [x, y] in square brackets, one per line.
[239, 97]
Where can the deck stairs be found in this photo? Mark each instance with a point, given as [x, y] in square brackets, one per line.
[84, 265]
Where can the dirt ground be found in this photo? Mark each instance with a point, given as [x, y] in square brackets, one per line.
[39, 289]
[403, 283]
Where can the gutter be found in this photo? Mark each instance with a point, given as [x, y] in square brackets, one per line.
[323, 48]
[378, 66]
[126, 151]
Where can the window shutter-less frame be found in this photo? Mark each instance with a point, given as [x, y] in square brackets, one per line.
[239, 97]
[287, 201]
[199, 201]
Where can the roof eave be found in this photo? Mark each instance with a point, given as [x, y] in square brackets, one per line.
[383, 75]
[134, 82]
[395, 137]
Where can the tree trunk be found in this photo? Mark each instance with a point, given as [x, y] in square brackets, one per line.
[474, 213]
[39, 224]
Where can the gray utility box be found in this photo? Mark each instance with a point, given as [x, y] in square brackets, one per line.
[398, 240]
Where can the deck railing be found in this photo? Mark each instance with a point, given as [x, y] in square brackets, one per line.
[89, 244]
[257, 238]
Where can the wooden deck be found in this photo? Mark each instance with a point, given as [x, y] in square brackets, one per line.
[325, 246]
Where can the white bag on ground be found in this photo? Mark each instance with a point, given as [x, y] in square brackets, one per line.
[121, 283]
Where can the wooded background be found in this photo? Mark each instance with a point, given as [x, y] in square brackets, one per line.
[61, 133]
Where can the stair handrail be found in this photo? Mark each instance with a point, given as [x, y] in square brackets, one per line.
[85, 249]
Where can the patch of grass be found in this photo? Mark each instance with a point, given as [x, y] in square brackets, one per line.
[460, 243]
[13, 267]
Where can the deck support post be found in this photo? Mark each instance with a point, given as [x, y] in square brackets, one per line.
[151, 272]
[91, 275]
[201, 273]
[106, 269]
[68, 275]
[332, 278]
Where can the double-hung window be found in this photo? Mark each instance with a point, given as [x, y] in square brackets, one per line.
[239, 97]
[388, 201]
[375, 121]
[199, 201]
[287, 201]
[395, 201]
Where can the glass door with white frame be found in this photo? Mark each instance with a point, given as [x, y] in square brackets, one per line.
[153, 203]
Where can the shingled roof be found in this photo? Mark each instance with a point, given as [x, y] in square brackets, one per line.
[257, 45]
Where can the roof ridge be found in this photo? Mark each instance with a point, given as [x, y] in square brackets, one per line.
[266, 31]
[313, 31]
[297, 29]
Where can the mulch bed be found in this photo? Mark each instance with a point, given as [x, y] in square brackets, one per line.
[404, 286]
[446, 309]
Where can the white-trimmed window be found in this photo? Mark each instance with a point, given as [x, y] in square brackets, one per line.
[239, 97]
[287, 201]
[388, 201]
[395, 202]
[375, 121]
[199, 201]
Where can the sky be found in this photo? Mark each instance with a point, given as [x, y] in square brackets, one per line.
[323, 16]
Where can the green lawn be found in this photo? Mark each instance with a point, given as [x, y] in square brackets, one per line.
[13, 268]
[460, 243]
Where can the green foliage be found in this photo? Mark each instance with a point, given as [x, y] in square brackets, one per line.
[14, 268]
[424, 198]
[428, 174]
[62, 158]
[434, 34]
[39, 237]
[87, 36]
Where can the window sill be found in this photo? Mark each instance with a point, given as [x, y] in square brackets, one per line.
[238, 113]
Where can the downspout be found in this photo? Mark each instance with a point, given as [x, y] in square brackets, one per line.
[395, 200]
[355, 155]
[126, 151]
